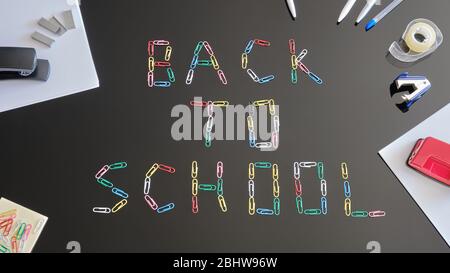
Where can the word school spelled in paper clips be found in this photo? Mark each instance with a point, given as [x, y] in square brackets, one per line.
[204, 57]
[197, 185]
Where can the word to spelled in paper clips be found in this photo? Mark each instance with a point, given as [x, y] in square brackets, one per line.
[210, 60]
[321, 207]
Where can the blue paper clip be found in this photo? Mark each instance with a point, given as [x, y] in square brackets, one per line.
[194, 61]
[264, 212]
[324, 206]
[166, 208]
[161, 83]
[249, 46]
[315, 78]
[120, 193]
[347, 190]
[420, 83]
[252, 140]
[266, 79]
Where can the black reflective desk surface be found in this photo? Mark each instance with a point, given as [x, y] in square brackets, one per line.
[51, 151]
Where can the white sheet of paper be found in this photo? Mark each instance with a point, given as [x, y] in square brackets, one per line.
[432, 196]
[29, 217]
[72, 67]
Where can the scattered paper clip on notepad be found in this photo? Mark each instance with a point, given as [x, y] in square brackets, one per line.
[431, 157]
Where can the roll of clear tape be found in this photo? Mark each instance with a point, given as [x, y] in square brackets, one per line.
[421, 38]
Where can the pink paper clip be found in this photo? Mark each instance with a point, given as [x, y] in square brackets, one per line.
[303, 67]
[210, 109]
[102, 171]
[292, 46]
[194, 204]
[199, 103]
[298, 187]
[7, 229]
[150, 79]
[161, 42]
[219, 169]
[262, 42]
[27, 232]
[151, 202]
[151, 48]
[222, 76]
[208, 48]
[162, 64]
[275, 140]
[377, 213]
[166, 168]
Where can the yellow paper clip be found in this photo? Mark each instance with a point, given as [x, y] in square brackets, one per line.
[152, 170]
[251, 171]
[251, 206]
[7, 213]
[272, 107]
[261, 102]
[250, 122]
[168, 53]
[276, 189]
[244, 60]
[275, 171]
[222, 203]
[194, 187]
[294, 62]
[119, 205]
[221, 103]
[151, 64]
[214, 62]
[348, 206]
[344, 170]
[194, 169]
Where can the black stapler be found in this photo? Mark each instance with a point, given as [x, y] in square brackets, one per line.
[22, 63]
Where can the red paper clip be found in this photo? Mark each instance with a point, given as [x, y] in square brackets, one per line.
[151, 48]
[262, 42]
[194, 204]
[162, 64]
[298, 187]
[6, 223]
[292, 46]
[199, 103]
[219, 169]
[208, 48]
[161, 42]
[14, 246]
[166, 168]
[151, 202]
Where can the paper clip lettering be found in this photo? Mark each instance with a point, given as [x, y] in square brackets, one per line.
[315, 78]
[294, 76]
[151, 64]
[222, 77]
[190, 76]
[263, 165]
[120, 193]
[199, 103]
[244, 60]
[307, 164]
[299, 204]
[162, 64]
[344, 170]
[251, 188]
[275, 140]
[272, 107]
[151, 202]
[323, 187]
[207, 187]
[151, 48]
[296, 170]
[194, 204]
[249, 46]
[348, 206]
[194, 61]
[105, 183]
[263, 145]
[251, 171]
[208, 48]
[347, 190]
[119, 205]
[166, 168]
[262, 42]
[194, 187]
[276, 188]
[194, 169]
[264, 212]
[147, 185]
[98, 210]
[222, 203]
[294, 63]
[323, 204]
[302, 55]
[298, 187]
[204, 63]
[161, 84]
[360, 214]
[292, 46]
[221, 103]
[276, 206]
[214, 62]
[220, 186]
[275, 172]
[168, 53]
[102, 171]
[219, 169]
[166, 208]
[150, 79]
[312, 212]
[377, 213]
[253, 75]
[320, 174]
[266, 79]
[152, 170]
[170, 74]
[251, 206]
[198, 48]
[161, 42]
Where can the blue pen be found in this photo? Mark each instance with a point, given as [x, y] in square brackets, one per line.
[383, 13]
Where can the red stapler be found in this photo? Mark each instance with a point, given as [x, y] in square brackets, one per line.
[431, 157]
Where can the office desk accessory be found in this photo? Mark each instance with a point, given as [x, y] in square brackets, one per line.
[382, 14]
[421, 38]
[431, 157]
[433, 198]
[291, 6]
[22, 63]
[349, 5]
[420, 85]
